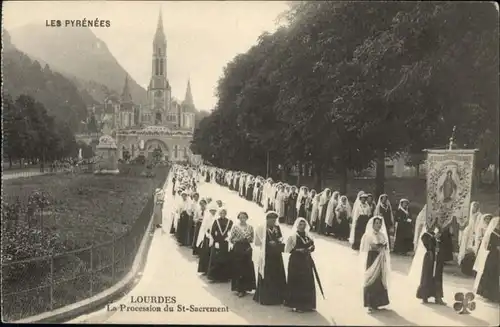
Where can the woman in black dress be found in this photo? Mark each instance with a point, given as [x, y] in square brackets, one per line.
[301, 202]
[204, 236]
[487, 265]
[219, 266]
[243, 272]
[375, 255]
[271, 284]
[199, 213]
[301, 289]
[343, 214]
[384, 209]
[403, 241]
[309, 205]
[429, 261]
[360, 217]
[291, 212]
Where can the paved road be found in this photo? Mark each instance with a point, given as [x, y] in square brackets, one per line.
[171, 271]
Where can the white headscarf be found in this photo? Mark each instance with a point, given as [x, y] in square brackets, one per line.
[206, 223]
[260, 241]
[332, 204]
[477, 216]
[356, 202]
[315, 208]
[419, 227]
[481, 229]
[341, 206]
[382, 264]
[400, 207]
[292, 239]
[482, 254]
[324, 197]
[380, 205]
[302, 194]
[466, 239]
[355, 215]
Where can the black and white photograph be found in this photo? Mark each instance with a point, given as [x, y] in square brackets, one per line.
[254, 163]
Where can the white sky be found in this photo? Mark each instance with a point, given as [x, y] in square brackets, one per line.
[202, 36]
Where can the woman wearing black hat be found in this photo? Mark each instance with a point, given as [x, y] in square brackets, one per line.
[271, 284]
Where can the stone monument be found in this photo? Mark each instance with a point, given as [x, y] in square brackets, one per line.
[107, 154]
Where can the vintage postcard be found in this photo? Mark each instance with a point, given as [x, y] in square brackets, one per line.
[250, 163]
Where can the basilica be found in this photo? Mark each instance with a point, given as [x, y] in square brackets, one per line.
[161, 123]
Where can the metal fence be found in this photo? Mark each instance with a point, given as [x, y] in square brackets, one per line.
[92, 270]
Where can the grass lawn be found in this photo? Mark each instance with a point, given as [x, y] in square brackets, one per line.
[84, 209]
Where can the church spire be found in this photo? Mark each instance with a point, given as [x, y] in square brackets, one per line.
[126, 96]
[188, 99]
[159, 35]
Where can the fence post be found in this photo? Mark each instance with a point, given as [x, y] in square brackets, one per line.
[52, 282]
[91, 270]
[113, 262]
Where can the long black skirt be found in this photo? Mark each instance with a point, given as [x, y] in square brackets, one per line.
[375, 295]
[190, 232]
[172, 227]
[291, 214]
[182, 230]
[243, 272]
[204, 256]
[219, 265]
[321, 227]
[403, 242]
[302, 211]
[342, 230]
[249, 193]
[468, 263]
[301, 290]
[431, 284]
[488, 285]
[271, 290]
[359, 230]
[197, 226]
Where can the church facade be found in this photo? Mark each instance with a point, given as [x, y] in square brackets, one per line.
[161, 123]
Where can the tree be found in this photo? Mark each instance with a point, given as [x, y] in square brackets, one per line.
[347, 84]
[30, 133]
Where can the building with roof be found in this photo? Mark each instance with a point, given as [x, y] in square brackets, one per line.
[162, 123]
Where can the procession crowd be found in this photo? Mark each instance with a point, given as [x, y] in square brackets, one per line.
[224, 244]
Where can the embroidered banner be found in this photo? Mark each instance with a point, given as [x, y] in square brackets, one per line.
[449, 184]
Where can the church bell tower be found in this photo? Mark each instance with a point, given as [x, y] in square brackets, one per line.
[159, 90]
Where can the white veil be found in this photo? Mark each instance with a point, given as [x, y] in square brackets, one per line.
[466, 241]
[383, 260]
[299, 197]
[418, 259]
[354, 216]
[346, 206]
[330, 209]
[206, 223]
[482, 254]
[292, 239]
[260, 241]
[419, 227]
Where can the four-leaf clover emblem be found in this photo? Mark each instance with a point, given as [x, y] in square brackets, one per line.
[464, 303]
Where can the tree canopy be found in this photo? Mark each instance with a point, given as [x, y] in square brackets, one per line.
[30, 133]
[346, 84]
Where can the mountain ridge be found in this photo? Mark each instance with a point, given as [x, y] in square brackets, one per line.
[77, 53]
[60, 97]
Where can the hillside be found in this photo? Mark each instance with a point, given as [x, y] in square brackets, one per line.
[22, 75]
[77, 53]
